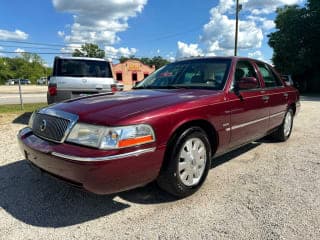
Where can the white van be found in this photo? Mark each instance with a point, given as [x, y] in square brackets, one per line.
[74, 77]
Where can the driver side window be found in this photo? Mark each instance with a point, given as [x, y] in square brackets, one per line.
[244, 69]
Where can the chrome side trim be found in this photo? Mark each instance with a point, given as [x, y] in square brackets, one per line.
[277, 114]
[254, 121]
[107, 158]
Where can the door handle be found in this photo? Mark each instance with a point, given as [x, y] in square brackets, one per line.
[285, 95]
[265, 98]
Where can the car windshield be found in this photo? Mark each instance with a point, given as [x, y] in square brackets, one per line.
[210, 73]
[82, 68]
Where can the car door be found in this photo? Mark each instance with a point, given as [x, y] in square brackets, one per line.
[248, 108]
[275, 90]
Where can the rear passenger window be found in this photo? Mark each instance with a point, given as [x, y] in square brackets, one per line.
[269, 77]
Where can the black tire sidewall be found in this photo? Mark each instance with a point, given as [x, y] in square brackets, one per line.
[179, 187]
[290, 111]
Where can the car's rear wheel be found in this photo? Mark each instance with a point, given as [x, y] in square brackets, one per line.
[284, 131]
[189, 157]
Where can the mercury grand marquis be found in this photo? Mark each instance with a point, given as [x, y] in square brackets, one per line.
[168, 128]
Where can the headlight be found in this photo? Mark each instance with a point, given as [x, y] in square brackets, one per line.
[111, 137]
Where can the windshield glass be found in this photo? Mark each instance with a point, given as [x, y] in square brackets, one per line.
[210, 73]
[82, 68]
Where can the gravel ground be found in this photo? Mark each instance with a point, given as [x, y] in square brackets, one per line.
[264, 190]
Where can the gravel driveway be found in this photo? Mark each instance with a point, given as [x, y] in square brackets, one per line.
[264, 190]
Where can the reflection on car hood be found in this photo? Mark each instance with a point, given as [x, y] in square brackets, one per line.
[110, 109]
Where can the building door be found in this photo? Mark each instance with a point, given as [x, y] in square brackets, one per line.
[134, 77]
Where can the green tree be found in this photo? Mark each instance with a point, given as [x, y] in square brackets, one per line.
[89, 50]
[30, 66]
[157, 61]
[296, 43]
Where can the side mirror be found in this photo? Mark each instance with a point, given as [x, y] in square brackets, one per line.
[247, 83]
[287, 79]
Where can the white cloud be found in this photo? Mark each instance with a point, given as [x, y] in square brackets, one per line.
[118, 52]
[188, 50]
[258, 7]
[219, 33]
[61, 33]
[19, 50]
[268, 25]
[98, 21]
[257, 54]
[16, 35]
[70, 48]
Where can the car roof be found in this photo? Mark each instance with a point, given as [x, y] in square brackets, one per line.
[82, 58]
[220, 57]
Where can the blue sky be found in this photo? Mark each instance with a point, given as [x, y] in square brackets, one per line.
[144, 28]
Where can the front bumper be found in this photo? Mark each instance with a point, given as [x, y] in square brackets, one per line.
[97, 171]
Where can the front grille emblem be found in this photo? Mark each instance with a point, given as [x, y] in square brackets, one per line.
[43, 125]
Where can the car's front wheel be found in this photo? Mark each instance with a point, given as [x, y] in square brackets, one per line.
[189, 157]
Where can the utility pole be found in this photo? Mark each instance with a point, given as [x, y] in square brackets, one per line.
[238, 8]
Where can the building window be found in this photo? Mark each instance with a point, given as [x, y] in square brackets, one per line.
[145, 75]
[134, 77]
[119, 76]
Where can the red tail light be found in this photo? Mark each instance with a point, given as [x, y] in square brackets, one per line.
[52, 89]
[114, 88]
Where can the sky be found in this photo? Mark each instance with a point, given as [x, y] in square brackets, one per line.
[172, 29]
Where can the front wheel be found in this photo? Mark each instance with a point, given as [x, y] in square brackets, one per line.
[285, 129]
[189, 159]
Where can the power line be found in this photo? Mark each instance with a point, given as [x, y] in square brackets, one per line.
[165, 36]
[15, 46]
[112, 56]
[47, 53]
[35, 43]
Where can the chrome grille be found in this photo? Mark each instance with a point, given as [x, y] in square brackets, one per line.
[50, 127]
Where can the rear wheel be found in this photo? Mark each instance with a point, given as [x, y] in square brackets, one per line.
[284, 131]
[189, 159]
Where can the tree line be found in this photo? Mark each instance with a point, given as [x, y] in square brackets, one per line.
[26, 66]
[93, 50]
[296, 44]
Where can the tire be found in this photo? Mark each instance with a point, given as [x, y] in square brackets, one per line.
[189, 160]
[284, 130]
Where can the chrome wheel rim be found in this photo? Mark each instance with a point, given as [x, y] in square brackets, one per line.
[192, 161]
[287, 124]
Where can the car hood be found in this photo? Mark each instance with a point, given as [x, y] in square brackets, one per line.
[109, 109]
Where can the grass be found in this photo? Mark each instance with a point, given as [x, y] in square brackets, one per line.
[16, 108]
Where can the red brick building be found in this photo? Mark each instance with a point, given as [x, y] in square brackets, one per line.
[131, 71]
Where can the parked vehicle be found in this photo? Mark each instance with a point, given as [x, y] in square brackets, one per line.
[42, 81]
[78, 76]
[10, 82]
[24, 81]
[167, 129]
[120, 86]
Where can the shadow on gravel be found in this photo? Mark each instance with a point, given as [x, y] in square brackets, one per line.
[235, 153]
[40, 200]
[310, 98]
[23, 118]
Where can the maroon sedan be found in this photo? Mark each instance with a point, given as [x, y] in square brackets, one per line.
[168, 128]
